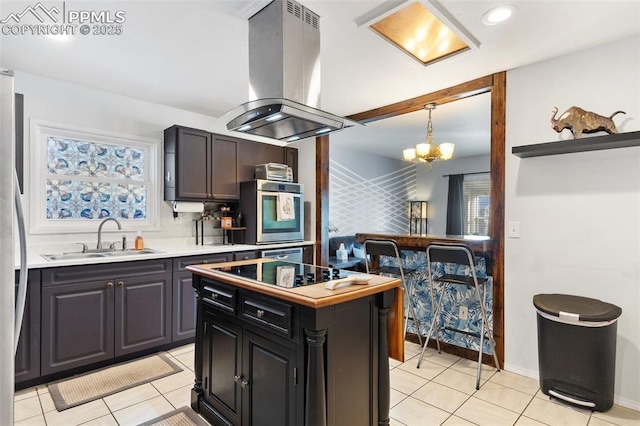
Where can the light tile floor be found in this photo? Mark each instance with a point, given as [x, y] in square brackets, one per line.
[441, 392]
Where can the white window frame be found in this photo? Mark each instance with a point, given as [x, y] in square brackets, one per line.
[469, 208]
[41, 130]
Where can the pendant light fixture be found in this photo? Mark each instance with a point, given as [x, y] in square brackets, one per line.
[427, 151]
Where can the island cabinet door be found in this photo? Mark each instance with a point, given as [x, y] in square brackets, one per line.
[269, 390]
[77, 325]
[222, 349]
[142, 312]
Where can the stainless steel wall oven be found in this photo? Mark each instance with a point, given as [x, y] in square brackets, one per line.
[273, 211]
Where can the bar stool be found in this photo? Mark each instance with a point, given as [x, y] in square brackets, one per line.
[459, 255]
[390, 248]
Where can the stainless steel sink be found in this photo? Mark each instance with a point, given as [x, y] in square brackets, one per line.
[71, 256]
[102, 254]
[116, 253]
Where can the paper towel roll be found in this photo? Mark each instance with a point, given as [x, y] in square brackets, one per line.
[187, 207]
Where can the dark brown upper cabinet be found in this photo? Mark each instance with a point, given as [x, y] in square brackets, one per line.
[203, 166]
[251, 153]
[199, 166]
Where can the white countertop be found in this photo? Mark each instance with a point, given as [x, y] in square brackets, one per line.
[170, 247]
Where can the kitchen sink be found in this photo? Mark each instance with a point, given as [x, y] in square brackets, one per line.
[101, 254]
[116, 253]
[71, 256]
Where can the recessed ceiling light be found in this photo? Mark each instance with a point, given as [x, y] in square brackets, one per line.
[498, 14]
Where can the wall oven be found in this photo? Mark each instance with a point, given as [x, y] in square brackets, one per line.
[273, 211]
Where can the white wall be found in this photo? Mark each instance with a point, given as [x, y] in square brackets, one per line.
[579, 213]
[434, 188]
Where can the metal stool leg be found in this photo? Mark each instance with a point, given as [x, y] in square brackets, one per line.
[485, 327]
[433, 323]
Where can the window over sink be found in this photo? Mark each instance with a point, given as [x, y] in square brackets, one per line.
[83, 176]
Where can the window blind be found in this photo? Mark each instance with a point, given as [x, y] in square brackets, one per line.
[477, 198]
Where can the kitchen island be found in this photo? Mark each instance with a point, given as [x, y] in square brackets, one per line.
[272, 349]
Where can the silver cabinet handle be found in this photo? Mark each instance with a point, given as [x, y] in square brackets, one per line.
[237, 378]
[109, 284]
[214, 296]
[244, 384]
[120, 284]
[260, 313]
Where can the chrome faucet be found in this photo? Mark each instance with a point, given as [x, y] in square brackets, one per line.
[99, 246]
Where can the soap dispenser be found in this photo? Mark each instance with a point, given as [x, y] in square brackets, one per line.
[139, 242]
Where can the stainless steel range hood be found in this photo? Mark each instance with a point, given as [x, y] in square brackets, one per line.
[284, 77]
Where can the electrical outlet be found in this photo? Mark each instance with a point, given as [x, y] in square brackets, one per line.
[464, 313]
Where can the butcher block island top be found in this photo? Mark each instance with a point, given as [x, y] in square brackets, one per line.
[311, 295]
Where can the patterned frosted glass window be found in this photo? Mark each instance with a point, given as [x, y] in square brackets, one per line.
[87, 176]
[88, 180]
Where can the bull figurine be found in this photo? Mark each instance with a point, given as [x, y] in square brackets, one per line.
[580, 121]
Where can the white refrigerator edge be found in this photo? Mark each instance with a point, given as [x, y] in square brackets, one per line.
[11, 304]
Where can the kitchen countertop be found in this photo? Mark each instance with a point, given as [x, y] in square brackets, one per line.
[314, 296]
[169, 248]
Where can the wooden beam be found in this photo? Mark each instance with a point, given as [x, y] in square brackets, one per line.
[496, 222]
[322, 200]
[450, 94]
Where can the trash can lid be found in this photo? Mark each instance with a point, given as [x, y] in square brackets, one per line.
[590, 310]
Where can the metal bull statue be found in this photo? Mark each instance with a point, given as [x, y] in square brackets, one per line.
[580, 121]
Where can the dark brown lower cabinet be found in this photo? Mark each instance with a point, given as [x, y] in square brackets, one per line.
[184, 297]
[27, 361]
[260, 360]
[87, 318]
[249, 379]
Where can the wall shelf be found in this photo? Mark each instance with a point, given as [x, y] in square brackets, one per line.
[621, 140]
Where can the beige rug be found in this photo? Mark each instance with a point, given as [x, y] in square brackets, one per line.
[96, 384]
[184, 416]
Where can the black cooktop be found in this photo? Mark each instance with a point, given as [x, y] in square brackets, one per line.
[286, 274]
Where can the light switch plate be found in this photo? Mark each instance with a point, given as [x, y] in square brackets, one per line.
[514, 229]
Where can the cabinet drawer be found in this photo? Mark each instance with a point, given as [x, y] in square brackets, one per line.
[244, 255]
[120, 270]
[270, 313]
[222, 297]
[182, 263]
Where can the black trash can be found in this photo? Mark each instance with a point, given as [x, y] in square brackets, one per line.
[577, 349]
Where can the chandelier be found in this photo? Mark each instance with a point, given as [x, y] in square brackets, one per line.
[427, 151]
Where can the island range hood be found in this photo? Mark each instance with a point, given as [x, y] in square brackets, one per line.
[284, 77]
